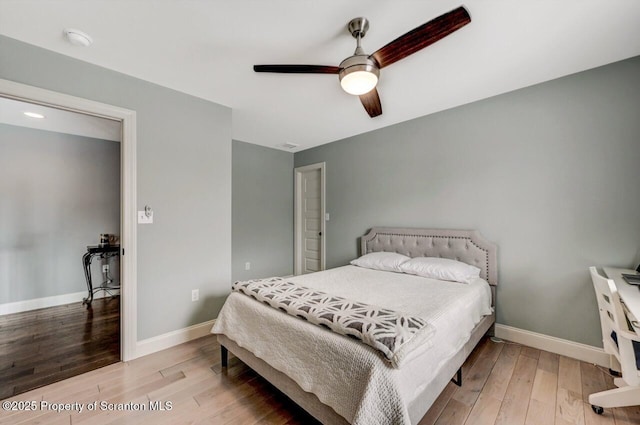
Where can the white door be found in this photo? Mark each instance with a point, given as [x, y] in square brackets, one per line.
[309, 214]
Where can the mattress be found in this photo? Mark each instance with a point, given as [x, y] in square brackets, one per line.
[352, 378]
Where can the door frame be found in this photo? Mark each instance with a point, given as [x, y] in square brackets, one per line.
[297, 215]
[128, 229]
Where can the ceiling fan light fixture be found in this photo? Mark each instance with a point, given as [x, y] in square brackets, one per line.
[359, 82]
[358, 75]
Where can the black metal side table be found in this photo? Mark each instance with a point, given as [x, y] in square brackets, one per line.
[102, 252]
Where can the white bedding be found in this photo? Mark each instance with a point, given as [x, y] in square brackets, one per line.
[347, 375]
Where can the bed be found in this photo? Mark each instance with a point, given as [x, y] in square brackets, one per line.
[339, 380]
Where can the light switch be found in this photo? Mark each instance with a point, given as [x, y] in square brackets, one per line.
[145, 217]
[326, 216]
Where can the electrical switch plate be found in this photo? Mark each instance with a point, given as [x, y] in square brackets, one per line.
[326, 216]
[195, 295]
[247, 266]
[143, 218]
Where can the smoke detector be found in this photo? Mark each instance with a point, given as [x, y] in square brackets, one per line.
[77, 37]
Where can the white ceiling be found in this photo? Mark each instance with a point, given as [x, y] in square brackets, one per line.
[207, 49]
[58, 120]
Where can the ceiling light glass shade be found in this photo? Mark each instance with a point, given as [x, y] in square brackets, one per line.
[33, 115]
[358, 75]
[359, 82]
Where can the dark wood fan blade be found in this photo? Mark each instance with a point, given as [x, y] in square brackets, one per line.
[371, 102]
[297, 69]
[421, 37]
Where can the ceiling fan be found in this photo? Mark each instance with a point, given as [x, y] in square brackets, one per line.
[359, 73]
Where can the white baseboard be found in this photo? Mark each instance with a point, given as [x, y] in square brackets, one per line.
[56, 300]
[168, 340]
[552, 344]
[576, 350]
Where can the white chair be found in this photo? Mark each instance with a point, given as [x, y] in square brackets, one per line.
[621, 342]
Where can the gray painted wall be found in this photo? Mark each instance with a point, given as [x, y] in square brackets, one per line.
[262, 211]
[58, 192]
[184, 174]
[550, 173]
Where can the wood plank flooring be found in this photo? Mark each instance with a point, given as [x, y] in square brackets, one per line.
[43, 346]
[502, 384]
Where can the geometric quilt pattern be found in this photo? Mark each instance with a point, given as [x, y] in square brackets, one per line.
[383, 329]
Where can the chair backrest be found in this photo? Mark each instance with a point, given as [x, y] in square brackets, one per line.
[611, 313]
[613, 319]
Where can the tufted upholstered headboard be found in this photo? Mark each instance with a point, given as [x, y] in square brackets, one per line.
[468, 246]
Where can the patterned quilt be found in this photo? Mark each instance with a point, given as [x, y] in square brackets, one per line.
[383, 329]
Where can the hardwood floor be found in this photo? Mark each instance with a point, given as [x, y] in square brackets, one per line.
[502, 384]
[43, 346]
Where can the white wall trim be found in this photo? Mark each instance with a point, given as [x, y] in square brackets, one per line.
[128, 229]
[576, 350]
[53, 301]
[170, 339]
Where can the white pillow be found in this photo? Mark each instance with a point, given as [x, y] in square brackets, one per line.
[385, 261]
[441, 269]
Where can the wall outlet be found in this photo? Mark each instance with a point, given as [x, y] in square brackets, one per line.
[247, 266]
[195, 295]
[105, 268]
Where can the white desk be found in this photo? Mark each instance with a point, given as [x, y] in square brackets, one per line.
[628, 391]
[629, 294]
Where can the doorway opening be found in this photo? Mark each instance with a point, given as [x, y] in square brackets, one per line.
[309, 218]
[93, 332]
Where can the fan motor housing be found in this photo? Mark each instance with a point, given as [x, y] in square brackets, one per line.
[358, 74]
[358, 63]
